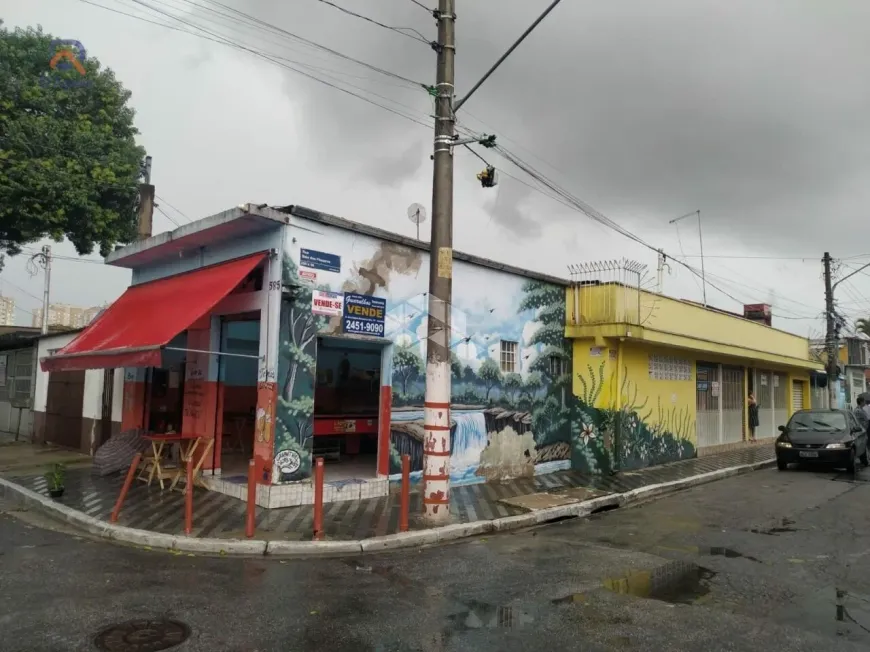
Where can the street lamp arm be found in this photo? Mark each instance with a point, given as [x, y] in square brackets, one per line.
[847, 276]
[501, 59]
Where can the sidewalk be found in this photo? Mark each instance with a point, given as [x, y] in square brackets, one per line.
[488, 506]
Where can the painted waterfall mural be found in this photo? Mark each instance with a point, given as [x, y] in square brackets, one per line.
[502, 424]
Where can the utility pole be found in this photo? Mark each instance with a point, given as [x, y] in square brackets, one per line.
[831, 339]
[43, 259]
[436, 424]
[146, 203]
[436, 443]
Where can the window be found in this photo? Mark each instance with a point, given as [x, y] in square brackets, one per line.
[556, 367]
[508, 357]
[817, 421]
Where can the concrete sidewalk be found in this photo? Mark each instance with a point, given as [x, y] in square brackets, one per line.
[152, 517]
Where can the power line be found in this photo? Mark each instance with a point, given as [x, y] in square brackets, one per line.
[167, 216]
[420, 4]
[410, 32]
[219, 38]
[173, 207]
[274, 28]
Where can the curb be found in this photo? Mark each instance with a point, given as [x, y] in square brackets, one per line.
[247, 548]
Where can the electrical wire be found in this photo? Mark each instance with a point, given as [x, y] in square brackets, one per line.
[219, 38]
[167, 216]
[159, 198]
[409, 32]
[254, 20]
[595, 215]
[420, 4]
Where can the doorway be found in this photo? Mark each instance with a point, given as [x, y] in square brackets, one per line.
[237, 392]
[346, 406]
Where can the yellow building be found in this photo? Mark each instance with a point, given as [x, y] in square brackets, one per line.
[659, 379]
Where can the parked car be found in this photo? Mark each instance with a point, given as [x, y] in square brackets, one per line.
[831, 437]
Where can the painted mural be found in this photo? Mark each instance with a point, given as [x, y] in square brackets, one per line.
[503, 424]
[643, 431]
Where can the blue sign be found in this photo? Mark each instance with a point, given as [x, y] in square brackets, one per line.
[319, 260]
[364, 315]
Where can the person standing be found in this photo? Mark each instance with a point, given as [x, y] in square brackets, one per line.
[753, 416]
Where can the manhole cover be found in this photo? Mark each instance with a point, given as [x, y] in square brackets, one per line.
[142, 636]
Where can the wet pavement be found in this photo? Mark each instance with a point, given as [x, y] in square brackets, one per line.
[221, 516]
[764, 561]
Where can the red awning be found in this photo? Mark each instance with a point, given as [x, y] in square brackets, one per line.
[131, 332]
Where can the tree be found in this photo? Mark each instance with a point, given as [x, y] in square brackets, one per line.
[69, 162]
[407, 366]
[455, 367]
[862, 326]
[532, 385]
[511, 385]
[489, 374]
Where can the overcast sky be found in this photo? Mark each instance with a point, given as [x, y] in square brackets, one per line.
[756, 113]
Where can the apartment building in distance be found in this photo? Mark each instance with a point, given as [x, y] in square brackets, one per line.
[7, 311]
[60, 314]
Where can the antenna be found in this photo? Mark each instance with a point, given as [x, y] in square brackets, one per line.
[417, 214]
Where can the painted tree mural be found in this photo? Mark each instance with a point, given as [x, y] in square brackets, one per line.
[296, 367]
[407, 366]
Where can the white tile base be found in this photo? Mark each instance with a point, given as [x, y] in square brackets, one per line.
[302, 493]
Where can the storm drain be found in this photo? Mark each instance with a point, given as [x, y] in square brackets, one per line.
[142, 635]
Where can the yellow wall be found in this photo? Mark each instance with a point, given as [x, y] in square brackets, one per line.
[611, 311]
[621, 371]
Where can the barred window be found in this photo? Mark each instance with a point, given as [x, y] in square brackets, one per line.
[557, 367]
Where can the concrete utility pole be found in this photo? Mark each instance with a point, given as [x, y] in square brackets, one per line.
[436, 444]
[146, 203]
[45, 261]
[831, 340]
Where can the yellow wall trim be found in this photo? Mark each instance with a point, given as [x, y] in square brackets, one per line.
[599, 332]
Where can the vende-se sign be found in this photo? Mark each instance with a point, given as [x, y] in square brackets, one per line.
[330, 304]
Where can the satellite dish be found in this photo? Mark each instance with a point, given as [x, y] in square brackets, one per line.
[417, 214]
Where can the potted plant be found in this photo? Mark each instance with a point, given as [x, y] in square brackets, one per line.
[55, 480]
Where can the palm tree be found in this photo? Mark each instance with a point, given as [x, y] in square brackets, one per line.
[862, 326]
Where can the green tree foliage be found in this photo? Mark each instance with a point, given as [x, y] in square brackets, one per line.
[407, 366]
[69, 163]
[862, 326]
[511, 385]
[489, 374]
[532, 385]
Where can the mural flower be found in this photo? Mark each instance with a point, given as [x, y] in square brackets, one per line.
[587, 433]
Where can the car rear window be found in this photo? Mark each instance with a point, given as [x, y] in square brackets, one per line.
[818, 421]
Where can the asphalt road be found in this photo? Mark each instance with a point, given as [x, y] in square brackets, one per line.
[749, 563]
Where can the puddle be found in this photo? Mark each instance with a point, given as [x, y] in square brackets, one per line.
[485, 616]
[833, 611]
[676, 582]
[730, 554]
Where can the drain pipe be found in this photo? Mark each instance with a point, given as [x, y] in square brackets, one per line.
[576, 293]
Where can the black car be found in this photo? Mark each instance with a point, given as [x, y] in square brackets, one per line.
[833, 437]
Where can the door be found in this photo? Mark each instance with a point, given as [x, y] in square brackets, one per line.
[781, 401]
[733, 405]
[63, 409]
[797, 395]
[708, 393]
[106, 411]
[764, 397]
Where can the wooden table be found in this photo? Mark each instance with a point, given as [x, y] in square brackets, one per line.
[189, 445]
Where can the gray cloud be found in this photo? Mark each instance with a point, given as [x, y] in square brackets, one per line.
[753, 112]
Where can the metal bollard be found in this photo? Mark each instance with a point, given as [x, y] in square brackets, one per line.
[318, 498]
[188, 499]
[405, 498]
[250, 519]
[131, 473]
